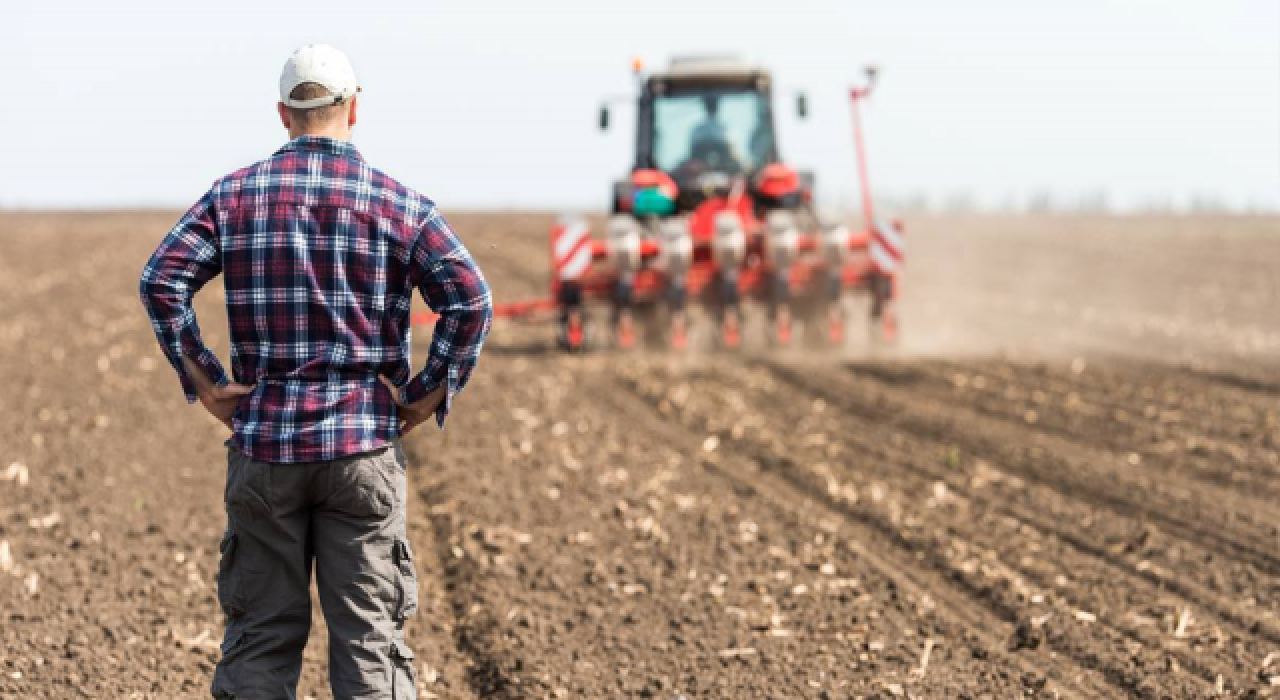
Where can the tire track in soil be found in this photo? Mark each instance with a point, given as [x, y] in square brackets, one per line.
[446, 665]
[470, 632]
[892, 465]
[713, 525]
[1180, 385]
[970, 607]
[464, 638]
[1210, 452]
[1187, 567]
[1073, 469]
[1263, 389]
[1138, 390]
[1135, 565]
[1082, 652]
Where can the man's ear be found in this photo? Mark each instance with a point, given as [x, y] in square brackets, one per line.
[351, 114]
[284, 115]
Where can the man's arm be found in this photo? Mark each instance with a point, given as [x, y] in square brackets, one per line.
[187, 258]
[453, 286]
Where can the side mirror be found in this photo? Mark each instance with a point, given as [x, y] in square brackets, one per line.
[604, 118]
[802, 106]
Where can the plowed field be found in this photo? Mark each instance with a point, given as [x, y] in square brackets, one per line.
[1063, 484]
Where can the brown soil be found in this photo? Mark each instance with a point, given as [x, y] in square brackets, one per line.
[1062, 485]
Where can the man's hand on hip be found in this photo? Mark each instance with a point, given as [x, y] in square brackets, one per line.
[414, 414]
[221, 401]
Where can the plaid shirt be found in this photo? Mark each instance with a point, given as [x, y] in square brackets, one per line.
[320, 255]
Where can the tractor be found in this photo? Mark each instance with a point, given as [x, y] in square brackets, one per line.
[711, 218]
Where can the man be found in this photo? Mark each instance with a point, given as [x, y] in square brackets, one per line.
[709, 142]
[709, 129]
[320, 255]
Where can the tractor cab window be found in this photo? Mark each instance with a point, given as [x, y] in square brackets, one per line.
[726, 132]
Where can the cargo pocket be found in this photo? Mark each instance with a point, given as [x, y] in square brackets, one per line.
[229, 595]
[402, 681]
[224, 685]
[406, 581]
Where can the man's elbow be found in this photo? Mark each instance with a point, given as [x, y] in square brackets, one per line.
[147, 286]
[483, 319]
[483, 298]
[487, 308]
[150, 285]
[155, 289]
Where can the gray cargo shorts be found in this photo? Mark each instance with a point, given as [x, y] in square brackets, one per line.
[347, 519]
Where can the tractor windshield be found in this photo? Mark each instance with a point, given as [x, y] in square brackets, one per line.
[719, 131]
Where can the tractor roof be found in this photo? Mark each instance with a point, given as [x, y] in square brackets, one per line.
[711, 69]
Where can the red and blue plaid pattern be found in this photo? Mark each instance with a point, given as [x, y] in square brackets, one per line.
[320, 255]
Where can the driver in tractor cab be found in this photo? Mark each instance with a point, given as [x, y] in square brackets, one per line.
[709, 143]
[710, 129]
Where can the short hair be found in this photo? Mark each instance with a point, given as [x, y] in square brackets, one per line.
[314, 116]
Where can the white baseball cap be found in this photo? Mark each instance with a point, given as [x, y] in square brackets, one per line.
[321, 64]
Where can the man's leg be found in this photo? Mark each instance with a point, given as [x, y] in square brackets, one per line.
[264, 580]
[365, 576]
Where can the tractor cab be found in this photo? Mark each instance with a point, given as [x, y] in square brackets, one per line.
[701, 126]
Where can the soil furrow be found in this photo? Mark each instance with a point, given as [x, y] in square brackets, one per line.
[1049, 513]
[715, 594]
[1132, 385]
[1213, 455]
[968, 603]
[473, 631]
[1146, 400]
[1063, 574]
[1074, 470]
[1076, 640]
[1264, 389]
[1193, 571]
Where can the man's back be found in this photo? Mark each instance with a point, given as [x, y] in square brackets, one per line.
[320, 254]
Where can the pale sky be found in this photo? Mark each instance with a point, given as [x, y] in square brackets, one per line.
[493, 104]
